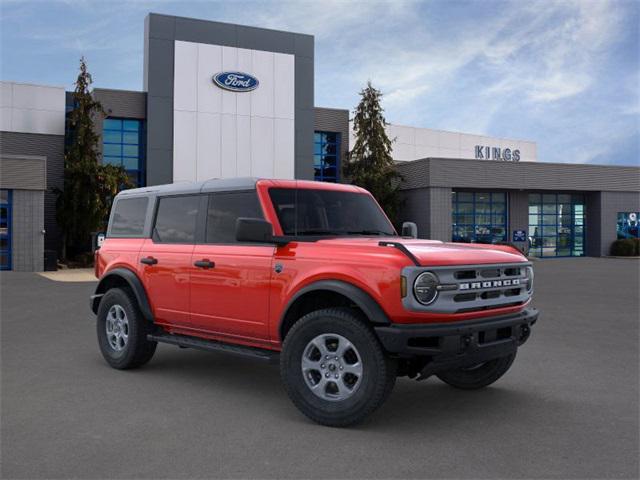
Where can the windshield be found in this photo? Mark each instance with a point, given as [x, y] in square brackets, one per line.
[328, 212]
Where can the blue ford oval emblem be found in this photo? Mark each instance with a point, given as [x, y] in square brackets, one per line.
[236, 81]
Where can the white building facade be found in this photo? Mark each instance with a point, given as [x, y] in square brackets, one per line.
[415, 143]
[32, 129]
[220, 133]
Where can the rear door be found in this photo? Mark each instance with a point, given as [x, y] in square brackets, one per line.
[165, 258]
[230, 281]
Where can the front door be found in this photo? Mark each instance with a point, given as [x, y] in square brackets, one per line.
[230, 281]
[165, 259]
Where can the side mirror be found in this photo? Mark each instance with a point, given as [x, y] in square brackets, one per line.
[409, 229]
[256, 230]
[253, 230]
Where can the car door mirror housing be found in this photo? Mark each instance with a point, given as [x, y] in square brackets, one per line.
[409, 229]
[256, 230]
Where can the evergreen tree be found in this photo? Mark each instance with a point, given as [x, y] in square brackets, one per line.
[89, 187]
[369, 163]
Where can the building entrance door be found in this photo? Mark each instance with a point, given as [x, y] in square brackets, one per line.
[556, 225]
[479, 217]
[5, 229]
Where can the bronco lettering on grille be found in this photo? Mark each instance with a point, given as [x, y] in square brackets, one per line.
[489, 284]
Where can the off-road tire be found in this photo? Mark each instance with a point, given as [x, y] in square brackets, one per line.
[379, 371]
[138, 350]
[480, 377]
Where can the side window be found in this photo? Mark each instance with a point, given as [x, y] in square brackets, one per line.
[128, 217]
[224, 210]
[176, 219]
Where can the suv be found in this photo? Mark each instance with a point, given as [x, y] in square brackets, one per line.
[312, 275]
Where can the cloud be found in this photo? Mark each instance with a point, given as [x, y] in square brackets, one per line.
[556, 55]
[327, 18]
[542, 54]
[562, 73]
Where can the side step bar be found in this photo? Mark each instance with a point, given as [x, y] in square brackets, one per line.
[215, 346]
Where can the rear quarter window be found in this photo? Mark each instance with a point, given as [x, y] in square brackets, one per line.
[128, 217]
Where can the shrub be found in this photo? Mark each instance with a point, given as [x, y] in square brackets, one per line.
[628, 247]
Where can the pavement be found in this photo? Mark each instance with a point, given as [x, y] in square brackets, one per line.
[568, 408]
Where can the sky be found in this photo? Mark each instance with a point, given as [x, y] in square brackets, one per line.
[565, 74]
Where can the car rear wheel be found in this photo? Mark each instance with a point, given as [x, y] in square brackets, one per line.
[334, 368]
[122, 331]
[478, 376]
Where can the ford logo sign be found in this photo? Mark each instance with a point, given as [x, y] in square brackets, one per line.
[236, 81]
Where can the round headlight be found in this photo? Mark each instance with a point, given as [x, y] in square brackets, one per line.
[425, 288]
[529, 275]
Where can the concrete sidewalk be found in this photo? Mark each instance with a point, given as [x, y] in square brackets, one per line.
[71, 275]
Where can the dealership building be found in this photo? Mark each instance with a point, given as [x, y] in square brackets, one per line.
[222, 101]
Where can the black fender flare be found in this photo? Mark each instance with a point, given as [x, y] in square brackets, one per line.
[359, 297]
[132, 281]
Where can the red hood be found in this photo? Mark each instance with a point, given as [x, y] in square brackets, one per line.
[436, 253]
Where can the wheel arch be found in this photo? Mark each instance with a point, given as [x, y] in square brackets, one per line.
[122, 277]
[330, 293]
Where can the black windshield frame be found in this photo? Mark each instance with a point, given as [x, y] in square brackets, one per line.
[308, 213]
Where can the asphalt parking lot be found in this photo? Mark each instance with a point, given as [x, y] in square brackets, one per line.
[567, 409]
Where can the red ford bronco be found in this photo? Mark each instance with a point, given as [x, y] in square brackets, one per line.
[313, 275]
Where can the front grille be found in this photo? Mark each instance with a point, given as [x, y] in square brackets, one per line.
[465, 274]
[465, 297]
[491, 294]
[472, 287]
[493, 273]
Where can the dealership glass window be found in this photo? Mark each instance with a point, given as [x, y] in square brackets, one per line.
[556, 225]
[479, 217]
[5, 229]
[627, 225]
[326, 156]
[123, 145]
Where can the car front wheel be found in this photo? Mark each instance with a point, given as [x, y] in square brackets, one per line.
[334, 368]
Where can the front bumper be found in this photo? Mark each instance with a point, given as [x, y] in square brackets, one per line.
[459, 344]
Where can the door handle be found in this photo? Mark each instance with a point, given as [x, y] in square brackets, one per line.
[149, 260]
[205, 263]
